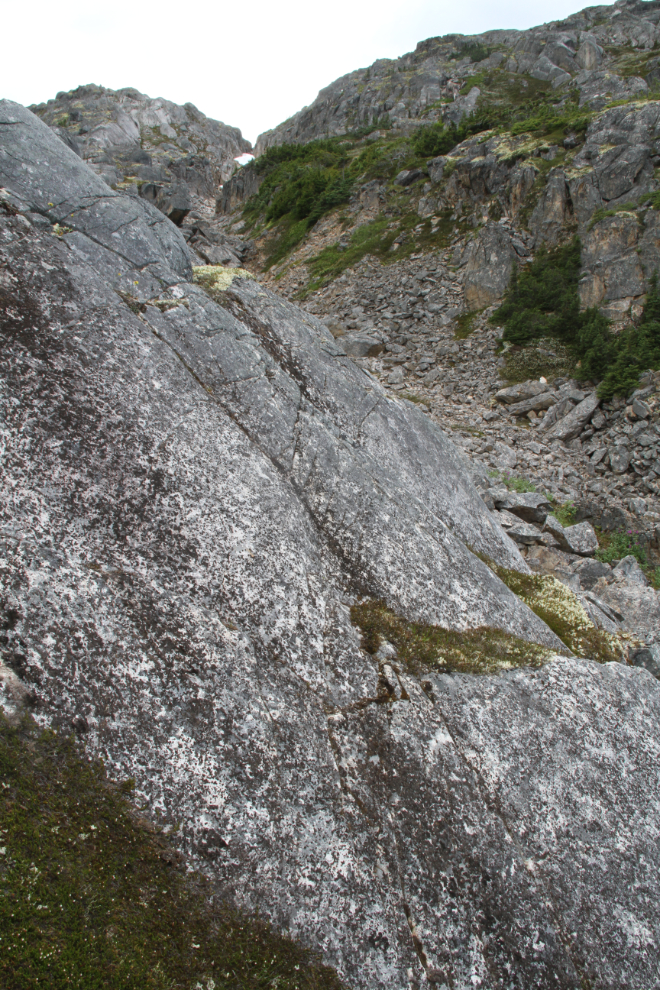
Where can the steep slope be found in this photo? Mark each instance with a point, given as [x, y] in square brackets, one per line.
[440, 175]
[198, 484]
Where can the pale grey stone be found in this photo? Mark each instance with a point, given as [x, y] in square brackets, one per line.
[628, 571]
[572, 424]
[619, 458]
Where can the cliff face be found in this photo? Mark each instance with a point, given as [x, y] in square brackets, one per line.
[174, 156]
[198, 484]
[442, 78]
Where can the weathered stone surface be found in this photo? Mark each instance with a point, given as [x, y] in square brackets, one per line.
[528, 506]
[213, 471]
[572, 423]
[436, 168]
[581, 538]
[537, 404]
[408, 176]
[133, 129]
[514, 394]
[590, 571]
[489, 267]
[552, 211]
[639, 606]
[619, 459]
[362, 344]
[628, 571]
[37, 167]
[524, 533]
[648, 658]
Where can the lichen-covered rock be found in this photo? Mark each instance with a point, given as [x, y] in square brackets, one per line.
[197, 484]
[489, 267]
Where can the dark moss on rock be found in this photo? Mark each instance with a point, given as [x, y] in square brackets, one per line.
[93, 896]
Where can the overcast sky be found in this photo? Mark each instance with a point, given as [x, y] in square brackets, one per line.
[251, 65]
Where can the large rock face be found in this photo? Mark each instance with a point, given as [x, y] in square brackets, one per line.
[171, 155]
[434, 81]
[195, 489]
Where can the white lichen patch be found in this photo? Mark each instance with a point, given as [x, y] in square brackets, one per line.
[555, 596]
[217, 277]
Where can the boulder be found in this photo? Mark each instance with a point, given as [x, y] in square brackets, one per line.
[515, 394]
[579, 539]
[408, 176]
[436, 167]
[572, 424]
[639, 607]
[524, 533]
[628, 571]
[556, 412]
[590, 571]
[641, 409]
[536, 404]
[363, 344]
[648, 658]
[619, 458]
[529, 506]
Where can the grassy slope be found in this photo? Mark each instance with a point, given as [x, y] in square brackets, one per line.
[92, 898]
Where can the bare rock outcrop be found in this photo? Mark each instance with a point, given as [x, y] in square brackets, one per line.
[196, 487]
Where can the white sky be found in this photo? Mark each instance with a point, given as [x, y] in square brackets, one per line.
[251, 65]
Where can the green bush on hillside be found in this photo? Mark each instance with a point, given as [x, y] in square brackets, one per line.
[542, 301]
[435, 139]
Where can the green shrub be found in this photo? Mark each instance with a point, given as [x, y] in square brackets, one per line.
[542, 301]
[471, 49]
[620, 544]
[435, 139]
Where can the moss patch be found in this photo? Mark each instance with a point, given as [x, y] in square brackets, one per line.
[91, 898]
[559, 608]
[484, 650]
[547, 359]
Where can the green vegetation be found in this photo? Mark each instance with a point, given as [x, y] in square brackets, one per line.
[302, 183]
[378, 238]
[553, 602]
[564, 514]
[91, 897]
[542, 301]
[431, 140]
[548, 359]
[602, 214]
[512, 482]
[466, 323]
[473, 50]
[620, 544]
[475, 651]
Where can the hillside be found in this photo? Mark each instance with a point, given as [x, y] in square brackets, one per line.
[403, 238]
